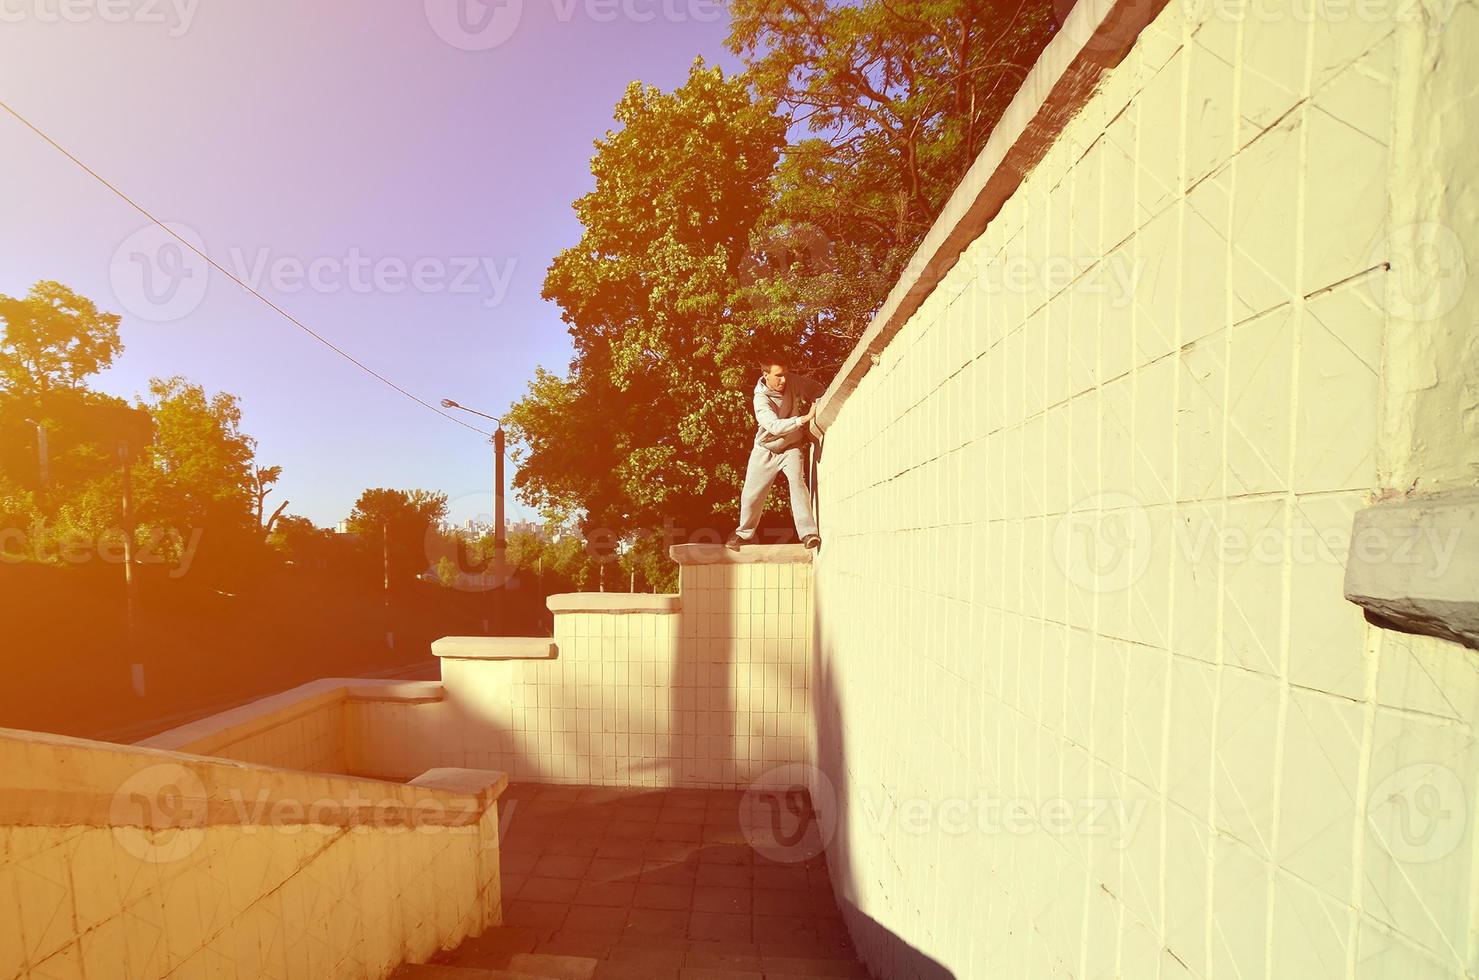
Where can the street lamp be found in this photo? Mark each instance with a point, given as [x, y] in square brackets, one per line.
[41, 449]
[500, 543]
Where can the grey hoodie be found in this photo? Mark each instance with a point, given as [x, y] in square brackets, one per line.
[780, 425]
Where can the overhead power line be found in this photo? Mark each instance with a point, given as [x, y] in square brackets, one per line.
[229, 275]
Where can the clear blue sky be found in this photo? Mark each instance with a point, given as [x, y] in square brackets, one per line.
[346, 136]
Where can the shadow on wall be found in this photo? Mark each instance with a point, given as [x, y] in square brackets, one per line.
[491, 741]
[702, 727]
[884, 952]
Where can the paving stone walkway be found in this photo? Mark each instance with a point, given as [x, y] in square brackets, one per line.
[657, 885]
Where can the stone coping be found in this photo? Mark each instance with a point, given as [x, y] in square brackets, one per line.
[494, 648]
[748, 554]
[58, 781]
[482, 785]
[1414, 565]
[212, 732]
[614, 602]
[1096, 35]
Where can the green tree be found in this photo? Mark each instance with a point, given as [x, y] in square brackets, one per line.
[199, 468]
[51, 342]
[53, 338]
[409, 521]
[652, 420]
[191, 463]
[325, 554]
[896, 99]
[298, 538]
[84, 433]
[191, 467]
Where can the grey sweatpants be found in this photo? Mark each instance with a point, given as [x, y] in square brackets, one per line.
[760, 474]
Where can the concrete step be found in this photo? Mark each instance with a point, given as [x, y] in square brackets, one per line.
[429, 971]
[553, 966]
[521, 966]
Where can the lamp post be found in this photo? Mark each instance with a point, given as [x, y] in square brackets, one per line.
[130, 598]
[500, 541]
[41, 450]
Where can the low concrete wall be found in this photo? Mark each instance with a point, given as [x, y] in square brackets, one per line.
[128, 862]
[707, 688]
[331, 725]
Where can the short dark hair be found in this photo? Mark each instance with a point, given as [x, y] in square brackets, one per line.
[766, 363]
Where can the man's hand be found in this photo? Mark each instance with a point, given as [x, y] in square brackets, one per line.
[811, 413]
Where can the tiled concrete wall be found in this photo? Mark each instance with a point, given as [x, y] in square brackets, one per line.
[1088, 692]
[325, 726]
[311, 739]
[745, 709]
[715, 694]
[118, 862]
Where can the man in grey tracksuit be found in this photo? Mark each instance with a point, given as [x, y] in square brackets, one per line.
[780, 441]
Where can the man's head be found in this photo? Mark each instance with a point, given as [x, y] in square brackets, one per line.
[775, 374]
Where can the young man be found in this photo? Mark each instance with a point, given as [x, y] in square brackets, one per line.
[779, 441]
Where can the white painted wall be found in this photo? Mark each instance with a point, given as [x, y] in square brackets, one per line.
[1086, 525]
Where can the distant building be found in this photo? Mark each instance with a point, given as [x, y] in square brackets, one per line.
[525, 527]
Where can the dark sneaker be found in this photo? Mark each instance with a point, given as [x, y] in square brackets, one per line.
[812, 541]
[734, 542]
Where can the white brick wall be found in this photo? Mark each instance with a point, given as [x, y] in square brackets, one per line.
[1086, 543]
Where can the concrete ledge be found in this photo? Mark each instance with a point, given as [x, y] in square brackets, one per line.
[210, 733]
[58, 781]
[749, 554]
[224, 728]
[482, 785]
[613, 602]
[405, 692]
[1414, 565]
[494, 648]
